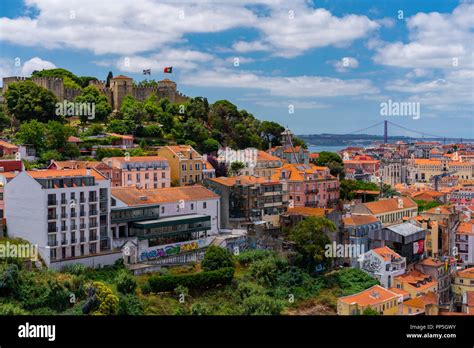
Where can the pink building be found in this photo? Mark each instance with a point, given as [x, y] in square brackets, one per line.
[142, 171]
[7, 149]
[363, 163]
[308, 185]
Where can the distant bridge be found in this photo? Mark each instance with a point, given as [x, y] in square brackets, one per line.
[423, 135]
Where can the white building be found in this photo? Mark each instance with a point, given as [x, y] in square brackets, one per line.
[383, 264]
[178, 219]
[66, 213]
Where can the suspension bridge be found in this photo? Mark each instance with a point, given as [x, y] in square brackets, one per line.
[419, 134]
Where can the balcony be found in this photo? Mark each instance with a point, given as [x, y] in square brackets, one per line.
[82, 200]
[52, 243]
[92, 199]
[82, 213]
[73, 240]
[64, 228]
[52, 216]
[311, 192]
[52, 202]
[82, 226]
[93, 212]
[52, 229]
[311, 204]
[332, 189]
[82, 239]
[64, 242]
[73, 214]
[92, 237]
[63, 201]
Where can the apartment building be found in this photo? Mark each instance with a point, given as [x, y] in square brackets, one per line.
[185, 163]
[462, 285]
[383, 264]
[357, 228]
[363, 164]
[438, 271]
[308, 185]
[416, 283]
[389, 211]
[65, 212]
[257, 163]
[148, 172]
[176, 220]
[465, 243]
[248, 201]
[385, 302]
[113, 174]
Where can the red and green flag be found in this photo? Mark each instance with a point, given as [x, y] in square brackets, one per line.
[168, 70]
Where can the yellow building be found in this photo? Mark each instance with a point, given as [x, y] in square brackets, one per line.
[384, 301]
[423, 305]
[185, 164]
[463, 282]
[416, 283]
[421, 170]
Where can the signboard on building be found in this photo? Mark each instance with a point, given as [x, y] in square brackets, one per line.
[419, 247]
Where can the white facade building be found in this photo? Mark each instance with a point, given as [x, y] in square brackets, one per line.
[383, 264]
[66, 213]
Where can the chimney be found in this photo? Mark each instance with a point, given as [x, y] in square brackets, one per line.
[88, 172]
[142, 198]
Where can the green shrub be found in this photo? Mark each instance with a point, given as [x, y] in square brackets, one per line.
[75, 269]
[201, 280]
[9, 279]
[266, 271]
[247, 289]
[126, 283]
[251, 256]
[11, 309]
[261, 305]
[217, 258]
[200, 308]
[130, 305]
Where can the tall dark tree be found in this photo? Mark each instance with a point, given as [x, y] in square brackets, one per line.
[109, 77]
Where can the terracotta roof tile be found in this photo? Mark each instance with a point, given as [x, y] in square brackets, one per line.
[370, 297]
[133, 196]
[388, 205]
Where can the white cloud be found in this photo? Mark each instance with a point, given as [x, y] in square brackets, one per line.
[435, 41]
[120, 27]
[35, 64]
[182, 59]
[345, 64]
[129, 28]
[294, 87]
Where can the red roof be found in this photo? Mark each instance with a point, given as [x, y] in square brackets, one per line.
[11, 165]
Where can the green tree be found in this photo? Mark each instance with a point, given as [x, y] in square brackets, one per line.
[236, 167]
[32, 133]
[133, 110]
[210, 145]
[326, 157]
[120, 127]
[216, 258]
[310, 238]
[27, 101]
[56, 136]
[271, 132]
[91, 94]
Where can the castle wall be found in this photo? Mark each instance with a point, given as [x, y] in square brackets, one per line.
[115, 94]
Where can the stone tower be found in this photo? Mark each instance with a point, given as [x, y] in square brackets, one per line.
[120, 86]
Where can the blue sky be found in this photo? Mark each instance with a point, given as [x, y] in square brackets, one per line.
[332, 62]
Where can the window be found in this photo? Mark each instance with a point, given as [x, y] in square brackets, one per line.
[162, 210]
[197, 166]
[192, 206]
[183, 166]
[204, 205]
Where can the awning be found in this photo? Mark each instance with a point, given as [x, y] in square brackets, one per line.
[172, 221]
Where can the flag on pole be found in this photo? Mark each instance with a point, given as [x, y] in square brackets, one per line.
[146, 71]
[168, 70]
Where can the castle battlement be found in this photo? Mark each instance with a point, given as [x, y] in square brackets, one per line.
[115, 93]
